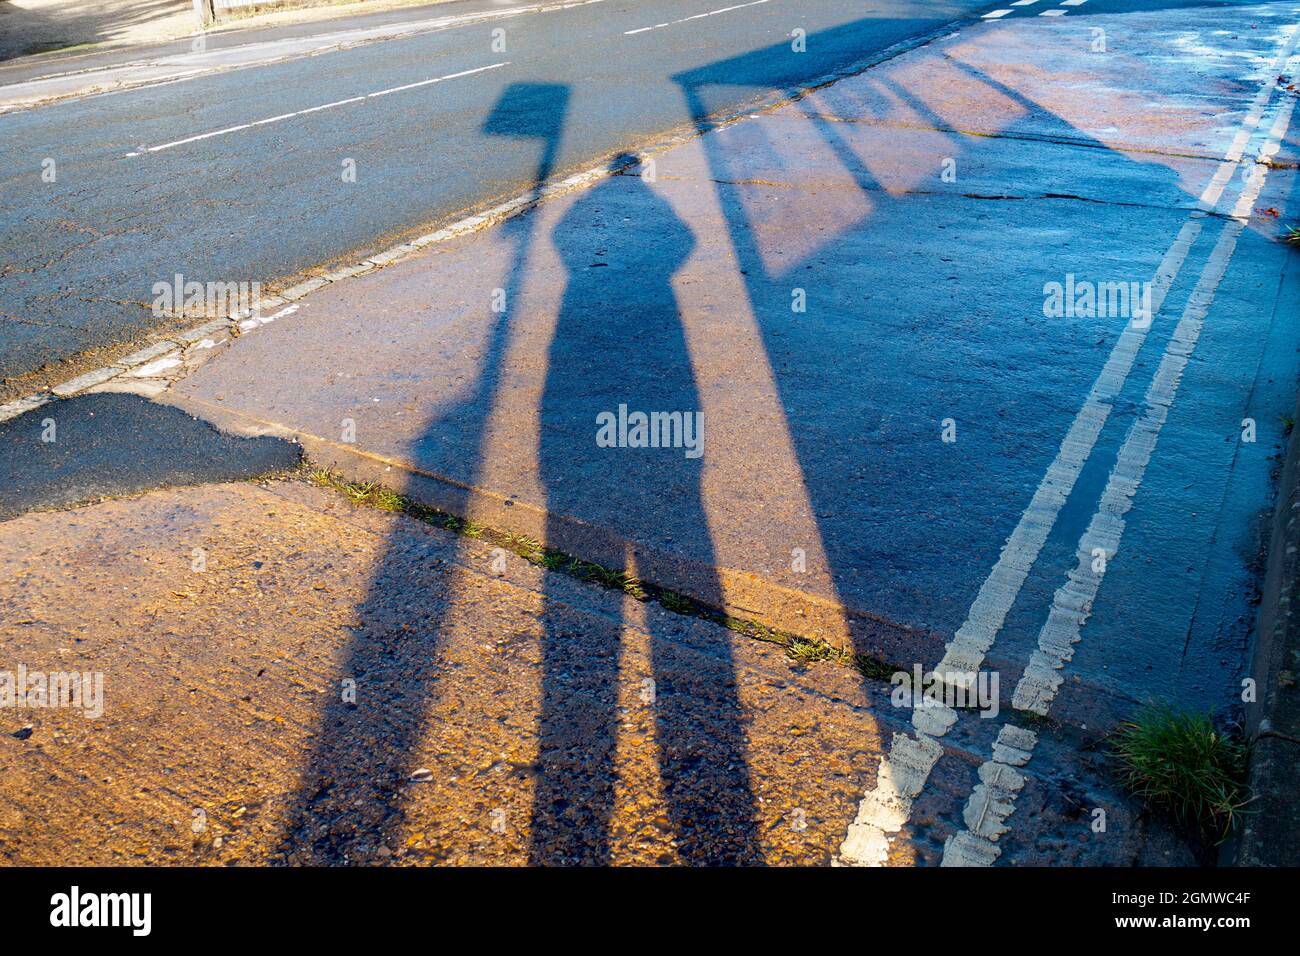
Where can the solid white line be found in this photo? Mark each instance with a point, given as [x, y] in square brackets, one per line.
[313, 109]
[698, 16]
[905, 769]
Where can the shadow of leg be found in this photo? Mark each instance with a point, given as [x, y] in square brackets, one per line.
[619, 352]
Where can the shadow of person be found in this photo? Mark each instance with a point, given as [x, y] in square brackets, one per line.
[619, 341]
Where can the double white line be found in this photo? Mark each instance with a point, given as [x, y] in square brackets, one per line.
[994, 799]
[906, 768]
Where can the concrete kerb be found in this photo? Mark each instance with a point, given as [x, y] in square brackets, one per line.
[747, 596]
[1270, 832]
[152, 370]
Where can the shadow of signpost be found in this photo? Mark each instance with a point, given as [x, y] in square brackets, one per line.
[619, 347]
[350, 797]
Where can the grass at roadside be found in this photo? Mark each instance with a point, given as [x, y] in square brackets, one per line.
[1181, 763]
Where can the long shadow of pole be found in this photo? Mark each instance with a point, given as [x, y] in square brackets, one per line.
[350, 797]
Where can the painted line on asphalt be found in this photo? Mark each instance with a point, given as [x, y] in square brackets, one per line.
[1237, 150]
[346, 40]
[994, 14]
[698, 16]
[993, 800]
[205, 337]
[905, 769]
[1053, 13]
[314, 109]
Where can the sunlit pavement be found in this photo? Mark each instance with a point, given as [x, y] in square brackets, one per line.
[850, 290]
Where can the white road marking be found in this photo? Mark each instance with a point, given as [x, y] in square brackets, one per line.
[1073, 3]
[994, 14]
[247, 325]
[154, 369]
[698, 16]
[1023, 3]
[905, 770]
[245, 55]
[313, 109]
[993, 800]
[1053, 13]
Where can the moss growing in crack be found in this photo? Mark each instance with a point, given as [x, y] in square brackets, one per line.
[672, 601]
[799, 650]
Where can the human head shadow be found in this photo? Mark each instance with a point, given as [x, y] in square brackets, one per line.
[618, 341]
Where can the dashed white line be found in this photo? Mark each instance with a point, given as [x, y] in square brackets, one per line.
[313, 109]
[1073, 3]
[1053, 13]
[994, 14]
[698, 16]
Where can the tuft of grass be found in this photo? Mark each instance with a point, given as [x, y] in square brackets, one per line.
[1292, 236]
[803, 651]
[1180, 762]
[873, 667]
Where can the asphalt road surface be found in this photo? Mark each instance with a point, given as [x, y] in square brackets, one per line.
[137, 199]
[925, 305]
[81, 255]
